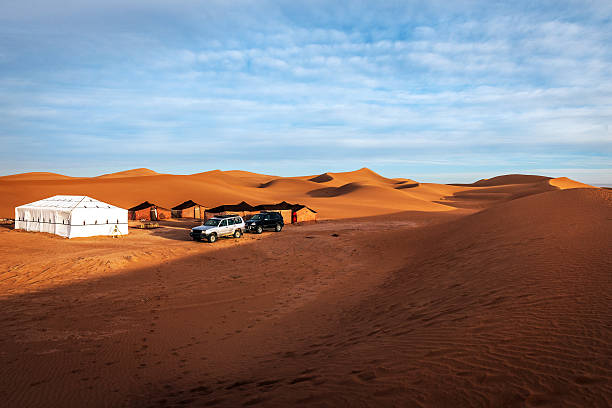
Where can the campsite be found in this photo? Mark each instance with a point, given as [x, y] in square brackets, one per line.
[417, 295]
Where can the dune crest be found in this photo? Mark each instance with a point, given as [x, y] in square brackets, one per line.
[507, 179]
[349, 194]
[565, 183]
[37, 175]
[141, 172]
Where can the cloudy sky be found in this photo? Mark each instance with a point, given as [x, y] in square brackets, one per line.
[436, 91]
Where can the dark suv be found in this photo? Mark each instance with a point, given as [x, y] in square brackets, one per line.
[263, 220]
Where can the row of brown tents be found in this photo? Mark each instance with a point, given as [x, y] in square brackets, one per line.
[292, 213]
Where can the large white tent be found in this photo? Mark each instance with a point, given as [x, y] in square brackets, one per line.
[72, 216]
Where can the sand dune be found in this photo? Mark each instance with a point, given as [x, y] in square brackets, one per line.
[363, 175]
[486, 313]
[508, 306]
[344, 189]
[35, 176]
[508, 179]
[212, 188]
[490, 294]
[565, 183]
[130, 173]
[334, 195]
[289, 184]
[484, 193]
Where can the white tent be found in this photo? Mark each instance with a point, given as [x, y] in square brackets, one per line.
[72, 216]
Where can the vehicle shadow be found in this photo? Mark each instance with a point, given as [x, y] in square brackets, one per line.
[176, 229]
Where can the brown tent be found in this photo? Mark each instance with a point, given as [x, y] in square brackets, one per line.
[148, 211]
[291, 213]
[188, 209]
[243, 209]
[301, 213]
[297, 213]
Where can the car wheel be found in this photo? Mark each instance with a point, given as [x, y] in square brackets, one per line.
[278, 228]
[237, 233]
[259, 229]
[212, 238]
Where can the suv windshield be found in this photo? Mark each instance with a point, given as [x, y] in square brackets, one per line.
[257, 217]
[212, 222]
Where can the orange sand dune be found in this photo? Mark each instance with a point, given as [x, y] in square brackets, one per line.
[509, 306]
[487, 312]
[487, 192]
[126, 189]
[364, 176]
[565, 183]
[508, 179]
[36, 176]
[334, 195]
[130, 173]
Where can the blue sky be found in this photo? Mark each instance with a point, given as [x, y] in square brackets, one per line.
[435, 91]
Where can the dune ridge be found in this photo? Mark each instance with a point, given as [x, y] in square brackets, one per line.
[505, 303]
[334, 195]
[140, 172]
[39, 175]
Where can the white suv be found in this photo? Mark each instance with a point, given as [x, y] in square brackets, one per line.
[218, 227]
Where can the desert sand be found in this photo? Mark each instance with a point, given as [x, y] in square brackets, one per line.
[496, 293]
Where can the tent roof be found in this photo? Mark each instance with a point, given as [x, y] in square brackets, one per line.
[67, 203]
[242, 206]
[283, 206]
[186, 204]
[141, 206]
[298, 207]
[269, 207]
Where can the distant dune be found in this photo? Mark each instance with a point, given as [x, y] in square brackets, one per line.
[565, 183]
[334, 195]
[35, 176]
[130, 173]
[508, 179]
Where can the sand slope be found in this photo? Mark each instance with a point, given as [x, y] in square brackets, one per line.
[334, 195]
[565, 183]
[130, 173]
[370, 193]
[509, 306]
[35, 176]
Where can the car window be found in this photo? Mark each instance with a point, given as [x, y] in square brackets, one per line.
[212, 222]
[223, 223]
[238, 220]
[256, 217]
[267, 217]
[230, 221]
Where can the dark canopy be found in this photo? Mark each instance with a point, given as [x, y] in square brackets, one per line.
[141, 206]
[298, 207]
[243, 206]
[281, 206]
[186, 204]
